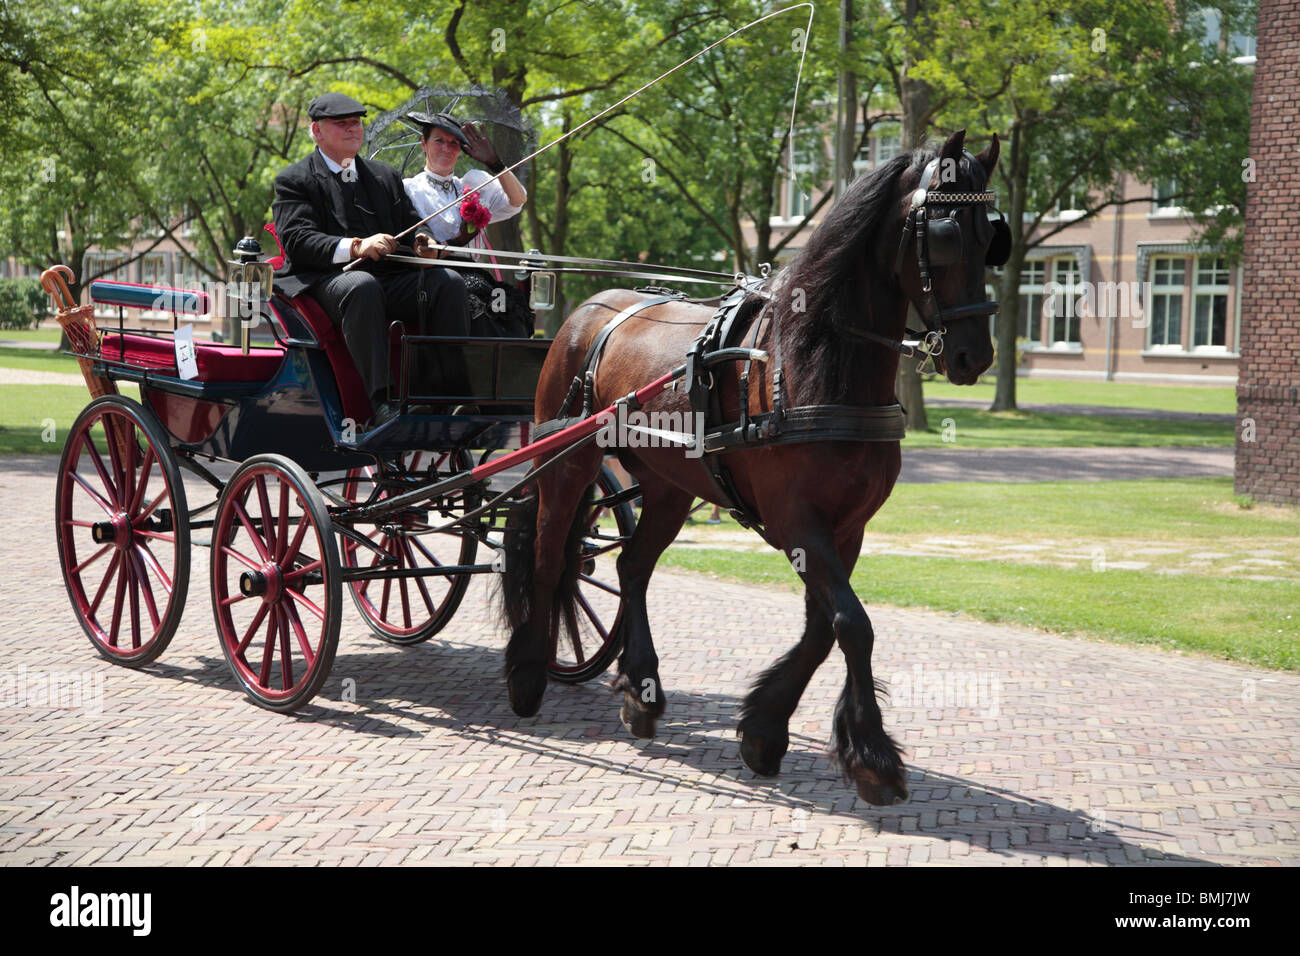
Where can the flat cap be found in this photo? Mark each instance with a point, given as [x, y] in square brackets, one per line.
[334, 106]
[441, 121]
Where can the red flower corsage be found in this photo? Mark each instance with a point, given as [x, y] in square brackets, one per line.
[474, 213]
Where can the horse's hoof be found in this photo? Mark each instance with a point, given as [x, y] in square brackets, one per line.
[526, 690]
[880, 793]
[639, 722]
[762, 753]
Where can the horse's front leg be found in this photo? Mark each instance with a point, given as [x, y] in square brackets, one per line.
[869, 756]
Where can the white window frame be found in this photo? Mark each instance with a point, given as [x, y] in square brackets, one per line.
[1211, 291]
[1166, 290]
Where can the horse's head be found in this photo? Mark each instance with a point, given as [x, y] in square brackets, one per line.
[947, 237]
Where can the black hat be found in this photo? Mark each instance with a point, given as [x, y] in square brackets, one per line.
[441, 121]
[334, 106]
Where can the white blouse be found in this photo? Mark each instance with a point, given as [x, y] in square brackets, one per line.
[429, 191]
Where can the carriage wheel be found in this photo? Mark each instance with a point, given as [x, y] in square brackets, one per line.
[590, 642]
[121, 525]
[409, 610]
[276, 582]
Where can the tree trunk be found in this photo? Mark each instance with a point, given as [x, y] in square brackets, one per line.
[914, 97]
[1004, 399]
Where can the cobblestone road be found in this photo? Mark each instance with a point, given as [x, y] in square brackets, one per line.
[1024, 748]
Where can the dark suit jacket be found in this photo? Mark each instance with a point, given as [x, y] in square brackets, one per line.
[311, 219]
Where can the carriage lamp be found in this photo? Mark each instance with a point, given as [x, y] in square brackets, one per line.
[541, 291]
[249, 287]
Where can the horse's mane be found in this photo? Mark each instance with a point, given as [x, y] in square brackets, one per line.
[821, 281]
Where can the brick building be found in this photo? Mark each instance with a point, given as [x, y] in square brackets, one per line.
[1268, 391]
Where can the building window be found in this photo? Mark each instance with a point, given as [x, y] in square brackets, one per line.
[1163, 197]
[153, 269]
[889, 141]
[1063, 306]
[1168, 276]
[1210, 303]
[1029, 325]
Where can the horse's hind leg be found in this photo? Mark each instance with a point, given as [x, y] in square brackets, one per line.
[663, 510]
[765, 715]
[551, 588]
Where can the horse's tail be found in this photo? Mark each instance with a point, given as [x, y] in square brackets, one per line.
[518, 555]
[519, 549]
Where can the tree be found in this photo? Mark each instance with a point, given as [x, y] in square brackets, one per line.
[1080, 91]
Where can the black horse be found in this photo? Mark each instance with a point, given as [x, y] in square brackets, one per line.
[916, 230]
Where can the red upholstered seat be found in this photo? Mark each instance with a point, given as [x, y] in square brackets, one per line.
[217, 363]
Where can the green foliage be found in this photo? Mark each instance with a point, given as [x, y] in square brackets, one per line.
[23, 303]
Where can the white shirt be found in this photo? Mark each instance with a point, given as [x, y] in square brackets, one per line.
[429, 191]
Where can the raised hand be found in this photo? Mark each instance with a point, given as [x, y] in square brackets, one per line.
[480, 147]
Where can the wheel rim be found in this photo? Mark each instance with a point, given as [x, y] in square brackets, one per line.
[587, 642]
[274, 584]
[407, 610]
[125, 560]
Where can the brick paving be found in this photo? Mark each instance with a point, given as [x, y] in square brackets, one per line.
[1024, 748]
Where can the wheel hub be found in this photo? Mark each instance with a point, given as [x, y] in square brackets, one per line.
[264, 583]
[115, 531]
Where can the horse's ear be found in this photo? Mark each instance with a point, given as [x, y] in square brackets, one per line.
[953, 147]
[988, 156]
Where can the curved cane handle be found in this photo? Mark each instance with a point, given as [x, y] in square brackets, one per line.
[53, 282]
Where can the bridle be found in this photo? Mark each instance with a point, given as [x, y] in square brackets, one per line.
[940, 241]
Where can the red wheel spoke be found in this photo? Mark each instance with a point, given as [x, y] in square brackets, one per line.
[162, 496]
[247, 522]
[91, 560]
[234, 599]
[147, 556]
[107, 508]
[227, 550]
[268, 526]
[426, 552]
[133, 594]
[103, 586]
[156, 536]
[291, 613]
[600, 628]
[98, 461]
[419, 582]
[252, 630]
[117, 603]
[299, 572]
[115, 460]
[286, 659]
[401, 583]
[268, 652]
[142, 482]
[305, 602]
[142, 585]
[600, 584]
[282, 525]
[291, 552]
[383, 605]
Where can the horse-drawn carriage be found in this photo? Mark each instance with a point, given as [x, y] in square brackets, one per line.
[399, 514]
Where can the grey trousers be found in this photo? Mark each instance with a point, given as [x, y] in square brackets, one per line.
[428, 301]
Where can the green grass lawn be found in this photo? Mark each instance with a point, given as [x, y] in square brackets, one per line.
[1205, 602]
[24, 410]
[31, 335]
[1255, 622]
[1174, 398]
[979, 428]
[37, 360]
